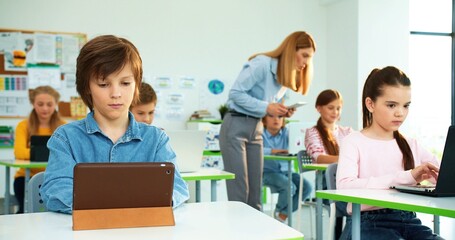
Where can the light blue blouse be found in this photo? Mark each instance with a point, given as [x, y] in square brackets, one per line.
[83, 141]
[255, 87]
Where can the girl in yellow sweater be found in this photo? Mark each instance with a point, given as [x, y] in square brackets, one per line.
[43, 120]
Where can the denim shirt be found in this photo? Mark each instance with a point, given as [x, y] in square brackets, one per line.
[279, 141]
[255, 87]
[83, 141]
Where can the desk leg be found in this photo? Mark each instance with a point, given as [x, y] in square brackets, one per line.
[436, 224]
[213, 190]
[198, 191]
[290, 209]
[355, 221]
[27, 179]
[319, 234]
[7, 190]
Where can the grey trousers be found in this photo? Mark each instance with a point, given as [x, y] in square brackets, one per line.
[241, 148]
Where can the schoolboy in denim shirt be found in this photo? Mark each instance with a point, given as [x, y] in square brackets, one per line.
[108, 76]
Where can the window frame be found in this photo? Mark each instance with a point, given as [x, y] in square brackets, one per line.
[451, 34]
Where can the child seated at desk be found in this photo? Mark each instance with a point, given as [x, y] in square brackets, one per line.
[322, 140]
[275, 175]
[379, 156]
[43, 120]
[144, 110]
[108, 75]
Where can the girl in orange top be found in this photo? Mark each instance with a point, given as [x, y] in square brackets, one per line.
[43, 120]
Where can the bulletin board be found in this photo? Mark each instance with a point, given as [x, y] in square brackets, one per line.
[34, 58]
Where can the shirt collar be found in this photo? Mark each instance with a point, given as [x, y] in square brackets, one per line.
[269, 135]
[133, 131]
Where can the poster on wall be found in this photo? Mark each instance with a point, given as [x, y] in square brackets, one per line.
[17, 50]
[39, 75]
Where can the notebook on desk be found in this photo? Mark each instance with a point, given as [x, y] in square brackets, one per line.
[38, 148]
[444, 186]
[117, 195]
[189, 146]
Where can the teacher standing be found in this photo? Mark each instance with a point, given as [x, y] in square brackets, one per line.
[259, 90]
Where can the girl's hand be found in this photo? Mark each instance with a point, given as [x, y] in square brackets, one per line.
[277, 109]
[424, 172]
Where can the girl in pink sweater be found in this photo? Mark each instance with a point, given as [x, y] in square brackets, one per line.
[379, 156]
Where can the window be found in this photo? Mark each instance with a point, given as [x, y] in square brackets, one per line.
[430, 61]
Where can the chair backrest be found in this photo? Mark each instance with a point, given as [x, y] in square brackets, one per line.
[303, 158]
[330, 176]
[35, 203]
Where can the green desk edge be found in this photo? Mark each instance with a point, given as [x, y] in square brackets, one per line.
[226, 176]
[29, 165]
[312, 167]
[214, 121]
[211, 153]
[385, 204]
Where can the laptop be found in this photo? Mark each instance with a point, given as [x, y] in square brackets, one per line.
[38, 148]
[297, 136]
[444, 186]
[189, 146]
[122, 185]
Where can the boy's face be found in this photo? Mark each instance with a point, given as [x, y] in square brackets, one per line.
[113, 96]
[274, 123]
[144, 112]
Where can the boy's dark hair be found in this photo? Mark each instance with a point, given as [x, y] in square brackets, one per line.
[146, 94]
[102, 56]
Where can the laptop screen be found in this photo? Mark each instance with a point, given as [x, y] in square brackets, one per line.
[189, 147]
[444, 186]
[446, 171]
[38, 148]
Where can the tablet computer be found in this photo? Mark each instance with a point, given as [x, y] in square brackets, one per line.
[122, 185]
[296, 105]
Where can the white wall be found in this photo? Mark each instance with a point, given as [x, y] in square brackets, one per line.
[204, 39]
[343, 31]
[212, 39]
[363, 34]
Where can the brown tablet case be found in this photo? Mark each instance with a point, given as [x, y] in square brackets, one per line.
[121, 195]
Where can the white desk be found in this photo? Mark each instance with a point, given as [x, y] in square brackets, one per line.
[211, 174]
[207, 220]
[441, 206]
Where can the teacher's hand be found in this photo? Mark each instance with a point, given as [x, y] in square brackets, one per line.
[290, 112]
[277, 109]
